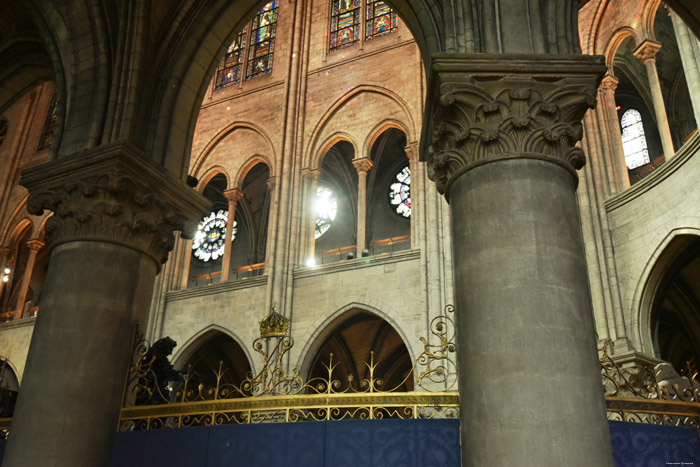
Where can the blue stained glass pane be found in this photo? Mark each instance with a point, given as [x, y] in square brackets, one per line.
[380, 19]
[345, 23]
[230, 67]
[262, 41]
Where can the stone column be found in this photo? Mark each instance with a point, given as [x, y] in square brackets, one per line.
[607, 93]
[646, 52]
[500, 142]
[689, 50]
[412, 155]
[233, 196]
[34, 246]
[362, 165]
[311, 177]
[112, 229]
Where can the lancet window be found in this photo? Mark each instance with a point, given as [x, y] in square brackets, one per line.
[634, 143]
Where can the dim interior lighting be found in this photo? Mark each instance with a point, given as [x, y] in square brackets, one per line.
[5, 278]
[618, 107]
[311, 262]
[7, 270]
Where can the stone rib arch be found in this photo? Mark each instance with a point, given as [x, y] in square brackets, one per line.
[186, 350]
[316, 138]
[331, 141]
[650, 11]
[12, 367]
[650, 279]
[210, 174]
[616, 41]
[200, 163]
[380, 128]
[247, 166]
[314, 340]
[13, 220]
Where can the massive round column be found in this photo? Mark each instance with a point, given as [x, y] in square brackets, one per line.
[502, 148]
[113, 222]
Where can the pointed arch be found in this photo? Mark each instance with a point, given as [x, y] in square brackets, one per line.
[210, 174]
[188, 349]
[315, 139]
[315, 340]
[380, 128]
[616, 41]
[650, 280]
[331, 141]
[199, 162]
[247, 166]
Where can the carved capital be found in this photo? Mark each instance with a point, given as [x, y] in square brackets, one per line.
[362, 165]
[113, 194]
[271, 183]
[647, 51]
[35, 245]
[411, 150]
[609, 83]
[233, 196]
[310, 174]
[484, 108]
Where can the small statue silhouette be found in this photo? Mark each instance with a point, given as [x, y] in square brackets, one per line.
[161, 380]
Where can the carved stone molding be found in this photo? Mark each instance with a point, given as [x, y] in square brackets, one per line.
[609, 83]
[647, 51]
[234, 195]
[310, 174]
[113, 194]
[362, 165]
[35, 245]
[484, 108]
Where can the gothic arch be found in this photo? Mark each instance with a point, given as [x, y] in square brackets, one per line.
[185, 352]
[650, 11]
[314, 140]
[315, 339]
[13, 220]
[380, 128]
[210, 174]
[650, 281]
[199, 163]
[615, 42]
[247, 166]
[331, 141]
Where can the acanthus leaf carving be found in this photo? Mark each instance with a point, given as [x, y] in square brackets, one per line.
[496, 110]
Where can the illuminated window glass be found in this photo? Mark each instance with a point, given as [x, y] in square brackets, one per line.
[49, 124]
[400, 193]
[209, 240]
[634, 143]
[326, 207]
[231, 66]
[345, 23]
[379, 19]
[262, 41]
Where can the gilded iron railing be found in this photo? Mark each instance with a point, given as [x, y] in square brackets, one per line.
[650, 394]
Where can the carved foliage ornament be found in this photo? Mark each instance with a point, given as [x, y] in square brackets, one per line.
[114, 198]
[482, 118]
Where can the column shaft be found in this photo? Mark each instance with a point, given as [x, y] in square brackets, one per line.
[233, 196]
[362, 166]
[501, 143]
[688, 47]
[646, 52]
[525, 327]
[609, 109]
[309, 232]
[34, 247]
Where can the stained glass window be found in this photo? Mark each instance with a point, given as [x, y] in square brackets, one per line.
[231, 66]
[400, 192]
[209, 240]
[262, 41]
[345, 23]
[634, 143]
[379, 19]
[49, 124]
[326, 207]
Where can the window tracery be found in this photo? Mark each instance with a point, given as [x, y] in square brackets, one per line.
[326, 207]
[400, 193]
[209, 241]
[345, 23]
